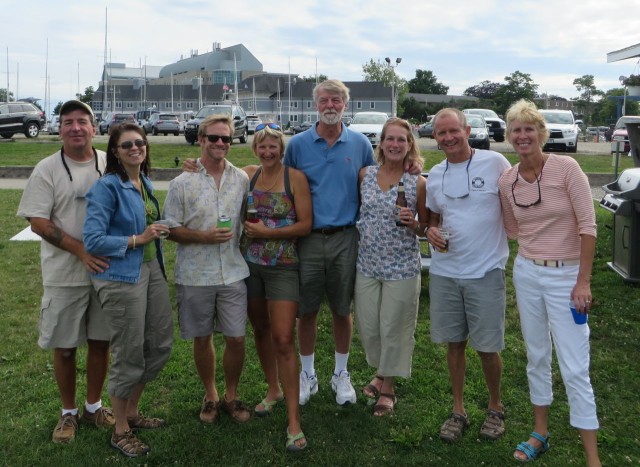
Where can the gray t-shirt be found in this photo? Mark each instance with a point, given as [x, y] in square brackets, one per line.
[51, 194]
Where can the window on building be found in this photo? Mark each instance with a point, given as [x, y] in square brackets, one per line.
[372, 105]
[129, 105]
[189, 105]
[294, 104]
[309, 104]
[118, 105]
[358, 105]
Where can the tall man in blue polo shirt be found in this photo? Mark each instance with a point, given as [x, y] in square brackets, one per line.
[330, 155]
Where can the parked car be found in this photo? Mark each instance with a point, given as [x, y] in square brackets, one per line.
[302, 127]
[479, 136]
[114, 119]
[53, 128]
[426, 130]
[497, 126]
[252, 122]
[162, 123]
[620, 138]
[20, 117]
[369, 124]
[563, 131]
[237, 114]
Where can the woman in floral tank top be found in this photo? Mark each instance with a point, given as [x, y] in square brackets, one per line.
[282, 199]
[388, 267]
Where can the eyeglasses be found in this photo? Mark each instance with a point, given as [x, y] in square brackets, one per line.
[273, 126]
[468, 181]
[215, 138]
[129, 144]
[513, 193]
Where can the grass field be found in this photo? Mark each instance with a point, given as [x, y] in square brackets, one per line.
[337, 436]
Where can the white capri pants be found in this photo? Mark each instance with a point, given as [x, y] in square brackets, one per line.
[543, 295]
[386, 317]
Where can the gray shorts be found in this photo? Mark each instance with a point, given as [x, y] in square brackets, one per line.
[471, 309]
[205, 309]
[327, 265]
[273, 282]
[69, 316]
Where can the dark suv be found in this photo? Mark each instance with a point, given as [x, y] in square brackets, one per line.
[20, 117]
[236, 112]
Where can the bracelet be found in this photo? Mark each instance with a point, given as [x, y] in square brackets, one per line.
[134, 242]
[426, 229]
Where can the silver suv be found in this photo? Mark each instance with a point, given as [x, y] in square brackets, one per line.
[496, 125]
[20, 117]
[238, 116]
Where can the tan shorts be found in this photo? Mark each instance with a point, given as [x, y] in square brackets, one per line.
[205, 309]
[69, 316]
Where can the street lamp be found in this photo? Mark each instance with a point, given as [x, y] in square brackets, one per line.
[624, 99]
[394, 98]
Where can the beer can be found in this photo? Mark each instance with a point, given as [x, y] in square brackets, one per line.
[224, 222]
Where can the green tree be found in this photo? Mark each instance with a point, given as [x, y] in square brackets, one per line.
[588, 91]
[56, 109]
[426, 82]
[518, 86]
[312, 78]
[381, 72]
[3, 95]
[485, 90]
[605, 110]
[87, 97]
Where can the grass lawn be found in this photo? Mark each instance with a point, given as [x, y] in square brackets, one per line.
[337, 436]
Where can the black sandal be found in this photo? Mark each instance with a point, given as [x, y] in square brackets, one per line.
[371, 391]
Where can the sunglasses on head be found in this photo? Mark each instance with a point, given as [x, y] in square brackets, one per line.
[215, 138]
[129, 144]
[273, 126]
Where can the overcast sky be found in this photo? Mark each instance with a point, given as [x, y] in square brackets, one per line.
[463, 42]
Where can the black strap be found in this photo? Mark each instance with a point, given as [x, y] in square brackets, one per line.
[287, 183]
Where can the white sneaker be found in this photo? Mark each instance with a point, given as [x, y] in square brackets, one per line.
[308, 387]
[341, 385]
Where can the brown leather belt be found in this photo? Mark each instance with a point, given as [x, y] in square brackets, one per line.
[332, 230]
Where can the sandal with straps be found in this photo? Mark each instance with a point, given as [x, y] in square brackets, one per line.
[380, 410]
[453, 427]
[493, 427]
[128, 444]
[144, 422]
[530, 451]
[267, 406]
[370, 390]
[291, 445]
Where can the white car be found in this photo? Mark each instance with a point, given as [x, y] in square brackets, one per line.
[54, 125]
[563, 131]
[369, 124]
[252, 122]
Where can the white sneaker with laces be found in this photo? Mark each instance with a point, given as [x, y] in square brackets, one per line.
[308, 386]
[341, 385]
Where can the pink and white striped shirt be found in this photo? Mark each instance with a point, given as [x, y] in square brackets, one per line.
[551, 229]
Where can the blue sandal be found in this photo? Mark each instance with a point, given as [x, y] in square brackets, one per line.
[531, 452]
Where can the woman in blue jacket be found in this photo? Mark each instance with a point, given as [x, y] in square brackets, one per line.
[121, 211]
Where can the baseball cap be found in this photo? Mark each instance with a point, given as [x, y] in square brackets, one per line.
[74, 104]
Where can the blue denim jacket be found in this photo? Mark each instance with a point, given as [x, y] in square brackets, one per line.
[115, 211]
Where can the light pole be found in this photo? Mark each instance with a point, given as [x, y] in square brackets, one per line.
[394, 99]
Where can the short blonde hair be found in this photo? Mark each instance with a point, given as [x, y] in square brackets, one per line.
[413, 154]
[215, 118]
[526, 111]
[260, 136]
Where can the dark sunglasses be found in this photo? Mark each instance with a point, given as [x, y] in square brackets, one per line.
[129, 144]
[215, 138]
[513, 193]
[273, 126]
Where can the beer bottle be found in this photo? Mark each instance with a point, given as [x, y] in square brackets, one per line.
[252, 212]
[401, 202]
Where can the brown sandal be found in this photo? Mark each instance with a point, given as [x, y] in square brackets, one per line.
[380, 410]
[128, 444]
[453, 428]
[371, 391]
[493, 426]
[141, 421]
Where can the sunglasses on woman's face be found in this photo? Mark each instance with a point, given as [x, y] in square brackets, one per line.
[273, 126]
[129, 144]
[215, 138]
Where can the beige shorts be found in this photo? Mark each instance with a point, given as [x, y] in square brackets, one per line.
[69, 316]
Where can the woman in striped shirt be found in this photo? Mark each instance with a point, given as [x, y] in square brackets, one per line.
[547, 206]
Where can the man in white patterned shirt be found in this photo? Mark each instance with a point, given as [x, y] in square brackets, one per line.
[210, 270]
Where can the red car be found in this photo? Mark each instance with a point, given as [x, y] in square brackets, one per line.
[620, 135]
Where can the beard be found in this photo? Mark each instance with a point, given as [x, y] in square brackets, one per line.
[330, 117]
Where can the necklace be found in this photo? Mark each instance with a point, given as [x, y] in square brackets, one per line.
[277, 180]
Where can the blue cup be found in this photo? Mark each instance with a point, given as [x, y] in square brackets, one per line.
[578, 318]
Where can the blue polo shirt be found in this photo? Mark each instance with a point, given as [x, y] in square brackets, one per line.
[332, 173]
